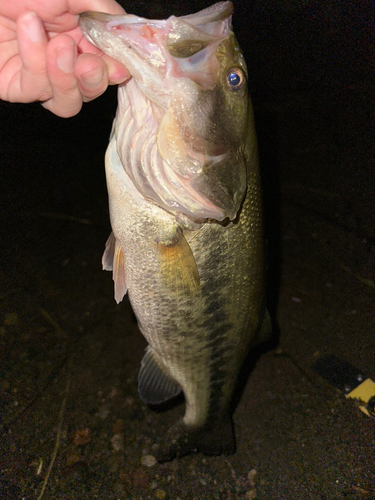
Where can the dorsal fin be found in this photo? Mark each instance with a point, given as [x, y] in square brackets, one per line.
[154, 385]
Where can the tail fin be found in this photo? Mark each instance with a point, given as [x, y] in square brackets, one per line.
[214, 439]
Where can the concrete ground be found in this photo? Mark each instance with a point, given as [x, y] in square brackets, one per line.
[69, 356]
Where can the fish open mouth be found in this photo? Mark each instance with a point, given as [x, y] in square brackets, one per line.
[154, 50]
[163, 124]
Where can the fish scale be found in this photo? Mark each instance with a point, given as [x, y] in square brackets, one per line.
[186, 213]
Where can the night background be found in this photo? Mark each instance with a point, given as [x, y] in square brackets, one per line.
[69, 356]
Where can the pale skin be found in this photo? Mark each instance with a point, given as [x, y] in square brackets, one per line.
[45, 57]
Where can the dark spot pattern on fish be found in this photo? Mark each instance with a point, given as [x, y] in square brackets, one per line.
[214, 317]
[218, 325]
[218, 378]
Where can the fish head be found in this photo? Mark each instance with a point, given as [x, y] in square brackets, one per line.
[187, 104]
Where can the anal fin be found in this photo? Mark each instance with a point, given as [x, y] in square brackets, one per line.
[155, 386]
[264, 332]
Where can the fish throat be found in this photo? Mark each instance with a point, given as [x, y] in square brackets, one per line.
[171, 164]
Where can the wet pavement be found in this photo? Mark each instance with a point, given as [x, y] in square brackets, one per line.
[72, 425]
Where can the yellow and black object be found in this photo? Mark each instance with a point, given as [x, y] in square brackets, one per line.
[348, 379]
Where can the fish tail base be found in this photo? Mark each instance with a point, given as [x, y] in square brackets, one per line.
[214, 439]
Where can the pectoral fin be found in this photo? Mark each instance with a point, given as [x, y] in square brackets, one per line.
[178, 265]
[113, 260]
[154, 385]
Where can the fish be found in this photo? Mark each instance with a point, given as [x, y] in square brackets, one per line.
[185, 201]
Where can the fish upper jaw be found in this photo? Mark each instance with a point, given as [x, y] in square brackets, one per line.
[121, 38]
[156, 50]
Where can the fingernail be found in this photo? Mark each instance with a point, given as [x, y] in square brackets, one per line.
[65, 59]
[32, 27]
[93, 78]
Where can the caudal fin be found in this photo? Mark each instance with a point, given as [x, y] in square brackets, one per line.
[216, 439]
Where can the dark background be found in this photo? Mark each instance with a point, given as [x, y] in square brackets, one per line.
[63, 339]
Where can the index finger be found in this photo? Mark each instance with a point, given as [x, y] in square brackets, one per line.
[108, 6]
[117, 73]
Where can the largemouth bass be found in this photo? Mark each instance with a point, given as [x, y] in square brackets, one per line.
[185, 205]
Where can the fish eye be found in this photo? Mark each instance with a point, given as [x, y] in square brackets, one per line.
[235, 79]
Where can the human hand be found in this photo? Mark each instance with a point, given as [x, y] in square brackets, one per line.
[45, 57]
